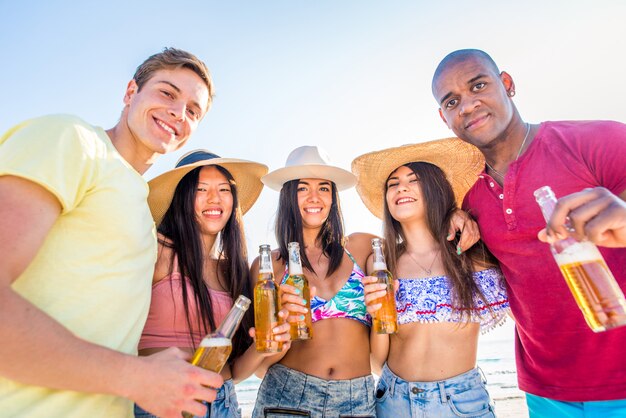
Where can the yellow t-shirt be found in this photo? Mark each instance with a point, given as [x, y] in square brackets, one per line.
[93, 272]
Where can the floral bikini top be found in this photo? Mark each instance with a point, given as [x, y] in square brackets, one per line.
[430, 300]
[349, 302]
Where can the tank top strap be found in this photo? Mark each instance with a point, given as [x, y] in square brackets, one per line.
[350, 255]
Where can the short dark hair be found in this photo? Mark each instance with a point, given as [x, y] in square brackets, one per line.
[460, 55]
[172, 58]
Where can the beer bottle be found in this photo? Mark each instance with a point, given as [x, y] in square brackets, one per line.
[303, 329]
[266, 304]
[385, 319]
[215, 348]
[588, 277]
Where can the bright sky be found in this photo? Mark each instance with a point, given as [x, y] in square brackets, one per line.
[350, 76]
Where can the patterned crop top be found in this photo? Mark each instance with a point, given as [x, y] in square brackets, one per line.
[166, 325]
[349, 302]
[430, 300]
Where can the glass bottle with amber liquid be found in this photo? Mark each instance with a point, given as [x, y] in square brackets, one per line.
[384, 320]
[215, 348]
[266, 304]
[302, 329]
[594, 287]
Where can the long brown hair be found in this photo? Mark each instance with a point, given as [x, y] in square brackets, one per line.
[440, 204]
[181, 230]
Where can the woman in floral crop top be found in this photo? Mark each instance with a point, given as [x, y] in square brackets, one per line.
[444, 298]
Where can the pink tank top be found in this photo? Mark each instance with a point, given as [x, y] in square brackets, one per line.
[166, 325]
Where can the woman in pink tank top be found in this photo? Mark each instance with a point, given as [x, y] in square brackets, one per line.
[202, 263]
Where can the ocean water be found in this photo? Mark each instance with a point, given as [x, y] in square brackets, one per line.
[496, 357]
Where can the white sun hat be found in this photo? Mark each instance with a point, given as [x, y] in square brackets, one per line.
[309, 162]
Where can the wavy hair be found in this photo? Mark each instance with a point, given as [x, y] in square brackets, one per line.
[440, 205]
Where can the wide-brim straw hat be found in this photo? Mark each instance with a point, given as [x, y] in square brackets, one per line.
[460, 161]
[309, 162]
[247, 176]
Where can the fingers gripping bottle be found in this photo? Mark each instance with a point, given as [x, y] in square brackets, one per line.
[385, 319]
[588, 277]
[266, 305]
[215, 348]
[303, 329]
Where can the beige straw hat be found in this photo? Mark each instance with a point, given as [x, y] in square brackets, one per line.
[309, 162]
[462, 163]
[247, 175]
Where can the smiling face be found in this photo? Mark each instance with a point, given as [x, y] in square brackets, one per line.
[473, 100]
[162, 115]
[213, 200]
[315, 198]
[404, 196]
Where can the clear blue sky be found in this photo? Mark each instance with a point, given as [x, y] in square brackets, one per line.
[350, 76]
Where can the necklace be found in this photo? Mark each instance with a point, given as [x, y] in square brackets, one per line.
[519, 152]
[428, 270]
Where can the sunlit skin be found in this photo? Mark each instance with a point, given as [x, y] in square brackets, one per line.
[213, 208]
[214, 201]
[161, 116]
[339, 348]
[404, 195]
[314, 201]
[419, 351]
[475, 103]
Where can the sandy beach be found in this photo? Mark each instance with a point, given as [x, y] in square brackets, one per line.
[511, 408]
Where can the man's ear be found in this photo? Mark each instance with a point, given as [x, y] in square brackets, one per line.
[131, 90]
[509, 84]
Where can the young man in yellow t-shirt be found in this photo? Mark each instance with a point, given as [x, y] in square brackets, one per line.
[77, 253]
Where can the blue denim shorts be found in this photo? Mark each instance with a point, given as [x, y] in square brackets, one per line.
[285, 392]
[539, 407]
[225, 404]
[464, 395]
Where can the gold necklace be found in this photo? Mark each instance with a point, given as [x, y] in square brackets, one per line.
[428, 270]
[519, 152]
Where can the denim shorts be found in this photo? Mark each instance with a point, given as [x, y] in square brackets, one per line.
[539, 407]
[285, 392]
[464, 395]
[225, 404]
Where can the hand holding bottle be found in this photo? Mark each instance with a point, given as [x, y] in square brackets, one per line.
[375, 292]
[586, 273]
[292, 301]
[594, 214]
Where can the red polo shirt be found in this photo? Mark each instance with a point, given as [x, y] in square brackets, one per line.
[557, 355]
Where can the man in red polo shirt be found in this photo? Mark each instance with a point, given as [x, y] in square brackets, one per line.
[565, 368]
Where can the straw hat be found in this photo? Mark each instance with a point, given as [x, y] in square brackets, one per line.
[247, 175]
[462, 162]
[309, 162]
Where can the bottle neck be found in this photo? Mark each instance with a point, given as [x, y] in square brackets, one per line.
[547, 202]
[295, 265]
[265, 263]
[379, 258]
[229, 325]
